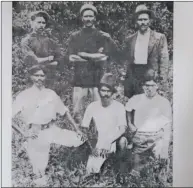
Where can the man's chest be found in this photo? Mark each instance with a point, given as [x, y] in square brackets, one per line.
[105, 120]
[90, 43]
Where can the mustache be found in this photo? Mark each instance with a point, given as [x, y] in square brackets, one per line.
[105, 96]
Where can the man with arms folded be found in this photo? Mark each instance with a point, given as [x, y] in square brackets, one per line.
[89, 50]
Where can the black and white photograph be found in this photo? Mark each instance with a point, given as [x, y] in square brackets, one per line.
[92, 94]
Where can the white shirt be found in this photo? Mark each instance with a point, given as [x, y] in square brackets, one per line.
[141, 48]
[150, 114]
[38, 106]
[110, 122]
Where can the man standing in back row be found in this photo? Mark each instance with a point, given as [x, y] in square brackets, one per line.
[144, 50]
[89, 49]
[38, 47]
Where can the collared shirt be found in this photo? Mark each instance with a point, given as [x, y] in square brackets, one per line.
[38, 106]
[110, 122]
[150, 114]
[141, 47]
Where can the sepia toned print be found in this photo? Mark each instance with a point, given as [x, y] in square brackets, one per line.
[92, 94]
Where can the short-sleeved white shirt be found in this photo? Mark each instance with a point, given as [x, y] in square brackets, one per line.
[110, 121]
[147, 110]
[38, 106]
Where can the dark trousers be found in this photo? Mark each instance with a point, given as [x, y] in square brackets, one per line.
[134, 80]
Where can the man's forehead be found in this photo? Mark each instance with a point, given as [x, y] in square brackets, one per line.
[88, 12]
[39, 18]
[151, 82]
[105, 88]
[39, 72]
[143, 15]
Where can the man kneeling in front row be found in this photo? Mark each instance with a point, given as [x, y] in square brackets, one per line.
[150, 116]
[110, 120]
[38, 107]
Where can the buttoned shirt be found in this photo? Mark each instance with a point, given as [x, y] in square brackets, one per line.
[141, 47]
[38, 106]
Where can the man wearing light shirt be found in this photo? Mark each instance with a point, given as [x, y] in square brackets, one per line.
[146, 49]
[110, 120]
[149, 115]
[37, 107]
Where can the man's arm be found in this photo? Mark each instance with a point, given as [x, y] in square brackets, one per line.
[163, 57]
[131, 126]
[93, 56]
[30, 55]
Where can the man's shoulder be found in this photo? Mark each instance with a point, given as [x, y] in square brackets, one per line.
[158, 35]
[131, 36]
[75, 33]
[26, 38]
[118, 104]
[162, 99]
[50, 92]
[104, 34]
[137, 97]
[94, 104]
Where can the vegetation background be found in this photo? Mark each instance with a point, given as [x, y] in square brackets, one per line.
[114, 18]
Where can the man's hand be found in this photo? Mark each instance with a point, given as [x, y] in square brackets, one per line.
[54, 63]
[95, 152]
[132, 127]
[82, 135]
[93, 56]
[104, 34]
[30, 135]
[50, 58]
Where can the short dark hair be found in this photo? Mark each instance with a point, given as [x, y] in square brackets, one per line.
[150, 75]
[34, 69]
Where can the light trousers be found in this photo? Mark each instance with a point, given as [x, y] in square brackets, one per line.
[79, 95]
[38, 149]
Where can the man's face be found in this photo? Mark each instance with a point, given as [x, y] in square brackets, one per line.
[88, 18]
[38, 78]
[105, 94]
[150, 88]
[38, 24]
[143, 22]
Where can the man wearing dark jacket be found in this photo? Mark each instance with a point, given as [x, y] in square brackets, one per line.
[144, 50]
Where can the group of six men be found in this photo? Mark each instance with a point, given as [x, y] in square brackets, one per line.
[147, 114]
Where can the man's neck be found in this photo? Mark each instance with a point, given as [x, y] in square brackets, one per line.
[151, 97]
[93, 27]
[144, 32]
[106, 104]
[38, 88]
